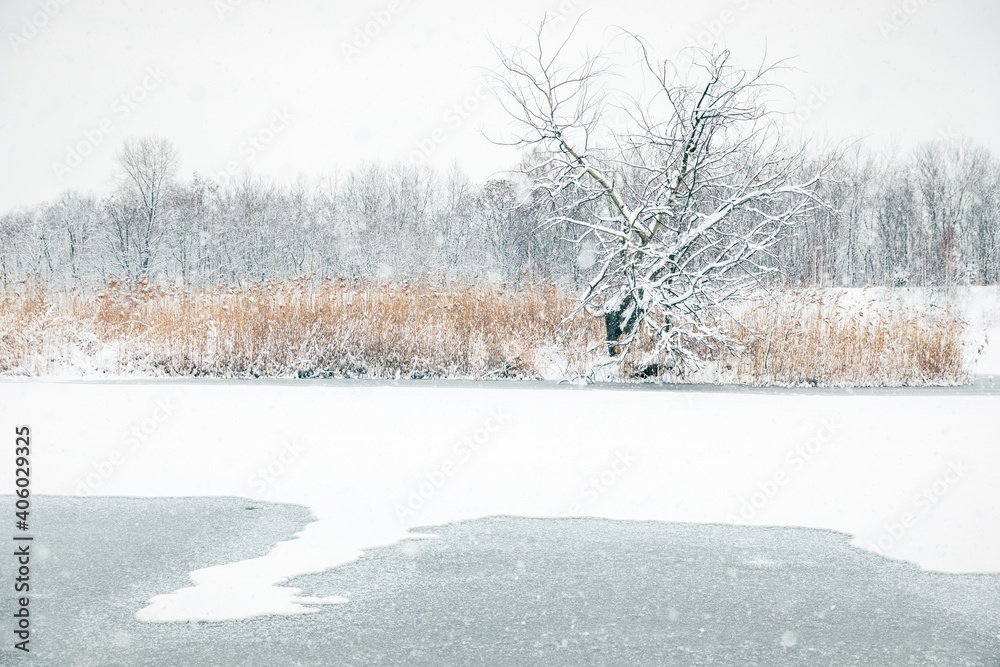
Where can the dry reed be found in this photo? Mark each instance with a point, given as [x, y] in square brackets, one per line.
[299, 327]
[822, 337]
[425, 328]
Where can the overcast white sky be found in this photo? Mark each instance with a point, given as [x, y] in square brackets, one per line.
[209, 74]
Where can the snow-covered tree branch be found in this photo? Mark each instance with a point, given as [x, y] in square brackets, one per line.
[683, 189]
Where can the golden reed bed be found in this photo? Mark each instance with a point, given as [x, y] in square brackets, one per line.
[434, 328]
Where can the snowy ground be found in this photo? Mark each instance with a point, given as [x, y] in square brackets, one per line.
[912, 475]
[981, 308]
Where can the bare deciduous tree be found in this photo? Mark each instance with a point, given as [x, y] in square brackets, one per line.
[137, 207]
[682, 191]
[507, 230]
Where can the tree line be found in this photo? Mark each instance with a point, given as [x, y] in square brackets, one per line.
[928, 216]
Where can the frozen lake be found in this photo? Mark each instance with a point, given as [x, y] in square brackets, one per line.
[500, 590]
[909, 473]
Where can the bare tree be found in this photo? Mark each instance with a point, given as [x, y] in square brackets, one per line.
[507, 230]
[137, 207]
[74, 220]
[452, 224]
[684, 192]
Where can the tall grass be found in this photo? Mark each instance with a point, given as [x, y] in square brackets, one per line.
[298, 327]
[828, 337]
[425, 328]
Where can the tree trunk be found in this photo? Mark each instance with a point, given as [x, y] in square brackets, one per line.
[619, 321]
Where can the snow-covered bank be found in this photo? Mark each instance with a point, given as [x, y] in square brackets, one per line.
[914, 477]
[981, 308]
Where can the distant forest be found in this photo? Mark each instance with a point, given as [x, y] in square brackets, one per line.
[930, 216]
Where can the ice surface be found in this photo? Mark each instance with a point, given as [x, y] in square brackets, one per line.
[373, 461]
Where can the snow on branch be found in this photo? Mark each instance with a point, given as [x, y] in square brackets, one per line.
[684, 187]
